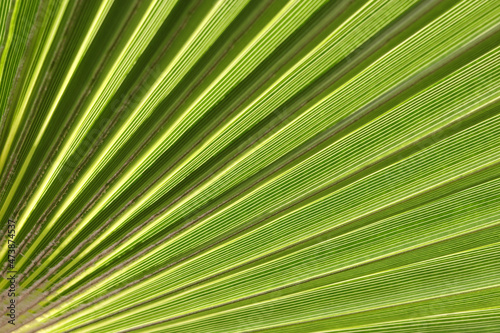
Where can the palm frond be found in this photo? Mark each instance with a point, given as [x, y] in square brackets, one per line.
[250, 165]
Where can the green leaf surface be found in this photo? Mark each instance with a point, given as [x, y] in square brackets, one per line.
[250, 165]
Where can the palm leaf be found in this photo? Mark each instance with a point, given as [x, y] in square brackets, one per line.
[250, 165]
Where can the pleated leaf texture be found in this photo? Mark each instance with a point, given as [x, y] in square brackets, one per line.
[199, 166]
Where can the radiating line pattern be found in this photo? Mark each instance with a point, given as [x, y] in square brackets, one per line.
[250, 165]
